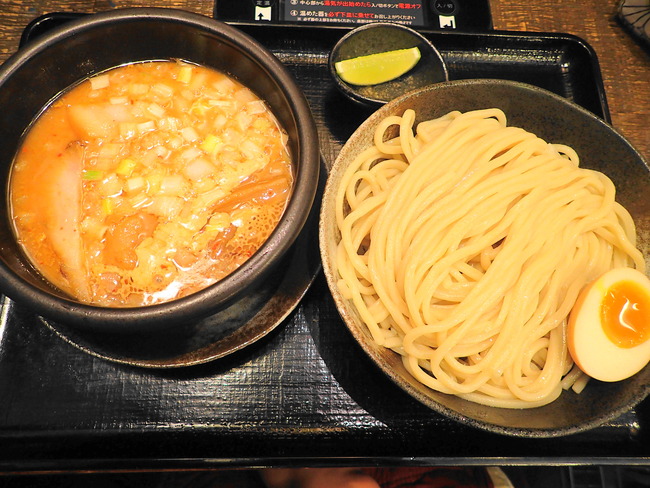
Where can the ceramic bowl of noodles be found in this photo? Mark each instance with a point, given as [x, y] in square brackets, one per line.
[460, 226]
[157, 166]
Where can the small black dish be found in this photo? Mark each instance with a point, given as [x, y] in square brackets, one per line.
[381, 37]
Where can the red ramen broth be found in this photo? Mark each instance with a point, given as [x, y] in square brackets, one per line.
[149, 182]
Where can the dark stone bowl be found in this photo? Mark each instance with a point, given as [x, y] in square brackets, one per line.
[556, 120]
[62, 57]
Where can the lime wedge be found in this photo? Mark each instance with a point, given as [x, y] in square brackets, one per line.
[377, 68]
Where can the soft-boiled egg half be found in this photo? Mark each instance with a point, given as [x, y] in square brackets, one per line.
[609, 326]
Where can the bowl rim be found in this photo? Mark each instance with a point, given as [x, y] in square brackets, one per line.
[225, 291]
[347, 312]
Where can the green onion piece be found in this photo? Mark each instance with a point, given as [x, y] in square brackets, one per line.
[91, 174]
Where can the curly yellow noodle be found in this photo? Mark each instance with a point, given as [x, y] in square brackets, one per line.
[464, 245]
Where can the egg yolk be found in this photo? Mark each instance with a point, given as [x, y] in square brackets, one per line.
[625, 314]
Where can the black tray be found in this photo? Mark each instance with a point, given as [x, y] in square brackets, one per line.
[305, 393]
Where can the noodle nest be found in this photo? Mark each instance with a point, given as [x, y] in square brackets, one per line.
[464, 243]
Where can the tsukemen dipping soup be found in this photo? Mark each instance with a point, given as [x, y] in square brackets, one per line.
[148, 182]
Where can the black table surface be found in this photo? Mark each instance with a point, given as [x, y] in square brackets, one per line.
[305, 393]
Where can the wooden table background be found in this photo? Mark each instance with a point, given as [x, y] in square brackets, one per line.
[625, 62]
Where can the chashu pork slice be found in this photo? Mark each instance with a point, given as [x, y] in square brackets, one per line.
[64, 216]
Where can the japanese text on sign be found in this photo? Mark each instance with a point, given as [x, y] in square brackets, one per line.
[344, 11]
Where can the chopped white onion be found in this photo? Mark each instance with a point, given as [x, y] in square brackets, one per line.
[99, 82]
[197, 169]
[119, 100]
[189, 134]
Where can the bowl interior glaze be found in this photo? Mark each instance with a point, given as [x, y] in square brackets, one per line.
[53, 62]
[380, 37]
[556, 120]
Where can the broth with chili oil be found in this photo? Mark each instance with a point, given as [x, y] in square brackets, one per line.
[148, 182]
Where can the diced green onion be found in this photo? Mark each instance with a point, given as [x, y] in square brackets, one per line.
[91, 174]
[126, 167]
[185, 74]
[107, 206]
[210, 143]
